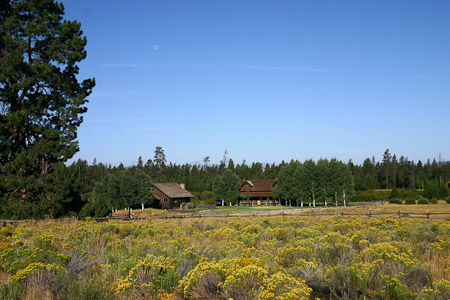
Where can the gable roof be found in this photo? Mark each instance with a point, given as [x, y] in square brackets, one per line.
[172, 190]
[260, 184]
[261, 188]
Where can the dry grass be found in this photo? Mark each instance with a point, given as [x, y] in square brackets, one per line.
[390, 210]
[441, 207]
[141, 214]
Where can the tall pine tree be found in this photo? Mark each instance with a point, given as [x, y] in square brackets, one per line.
[41, 99]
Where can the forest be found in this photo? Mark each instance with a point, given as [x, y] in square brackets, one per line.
[76, 185]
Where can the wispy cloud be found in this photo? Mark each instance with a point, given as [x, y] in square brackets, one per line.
[121, 120]
[144, 128]
[284, 68]
[237, 66]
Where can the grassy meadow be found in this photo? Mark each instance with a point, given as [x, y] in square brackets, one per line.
[257, 257]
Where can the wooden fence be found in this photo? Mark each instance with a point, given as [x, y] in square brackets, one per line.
[386, 215]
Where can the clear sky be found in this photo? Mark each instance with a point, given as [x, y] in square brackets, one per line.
[266, 80]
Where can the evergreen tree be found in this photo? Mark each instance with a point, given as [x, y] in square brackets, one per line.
[140, 164]
[159, 160]
[231, 186]
[41, 99]
[218, 188]
[226, 187]
[286, 184]
[309, 181]
[117, 191]
[387, 164]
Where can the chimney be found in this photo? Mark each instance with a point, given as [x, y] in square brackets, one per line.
[183, 186]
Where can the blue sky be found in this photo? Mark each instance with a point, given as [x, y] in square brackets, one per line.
[266, 80]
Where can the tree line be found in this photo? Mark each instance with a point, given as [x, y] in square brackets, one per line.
[96, 188]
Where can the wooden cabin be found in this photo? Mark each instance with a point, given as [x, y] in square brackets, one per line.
[257, 192]
[171, 195]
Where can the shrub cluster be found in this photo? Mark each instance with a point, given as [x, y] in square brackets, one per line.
[395, 201]
[410, 201]
[425, 201]
[258, 258]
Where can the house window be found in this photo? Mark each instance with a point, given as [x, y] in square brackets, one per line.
[246, 186]
[165, 200]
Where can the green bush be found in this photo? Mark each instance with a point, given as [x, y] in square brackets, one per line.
[370, 195]
[407, 193]
[394, 194]
[410, 201]
[395, 201]
[448, 199]
[443, 191]
[378, 195]
[431, 190]
[424, 201]
[208, 197]
[434, 201]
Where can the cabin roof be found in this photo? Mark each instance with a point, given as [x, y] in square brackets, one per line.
[172, 190]
[259, 184]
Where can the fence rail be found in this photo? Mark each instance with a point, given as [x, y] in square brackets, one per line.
[392, 215]
[398, 215]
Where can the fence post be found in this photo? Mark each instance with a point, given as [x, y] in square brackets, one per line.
[428, 215]
[342, 214]
[399, 215]
[370, 214]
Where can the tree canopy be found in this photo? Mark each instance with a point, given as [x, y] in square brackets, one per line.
[310, 181]
[119, 189]
[226, 187]
[42, 99]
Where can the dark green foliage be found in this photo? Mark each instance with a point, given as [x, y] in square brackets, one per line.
[423, 201]
[41, 102]
[434, 201]
[218, 188]
[370, 195]
[431, 191]
[118, 190]
[312, 181]
[198, 178]
[443, 192]
[395, 201]
[410, 201]
[64, 198]
[406, 193]
[226, 187]
[289, 182]
[448, 199]
[208, 197]
[394, 194]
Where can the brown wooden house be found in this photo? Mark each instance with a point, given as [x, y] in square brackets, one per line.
[171, 195]
[257, 192]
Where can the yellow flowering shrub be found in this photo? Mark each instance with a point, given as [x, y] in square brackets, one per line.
[265, 258]
[155, 273]
[284, 287]
[244, 282]
[22, 274]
